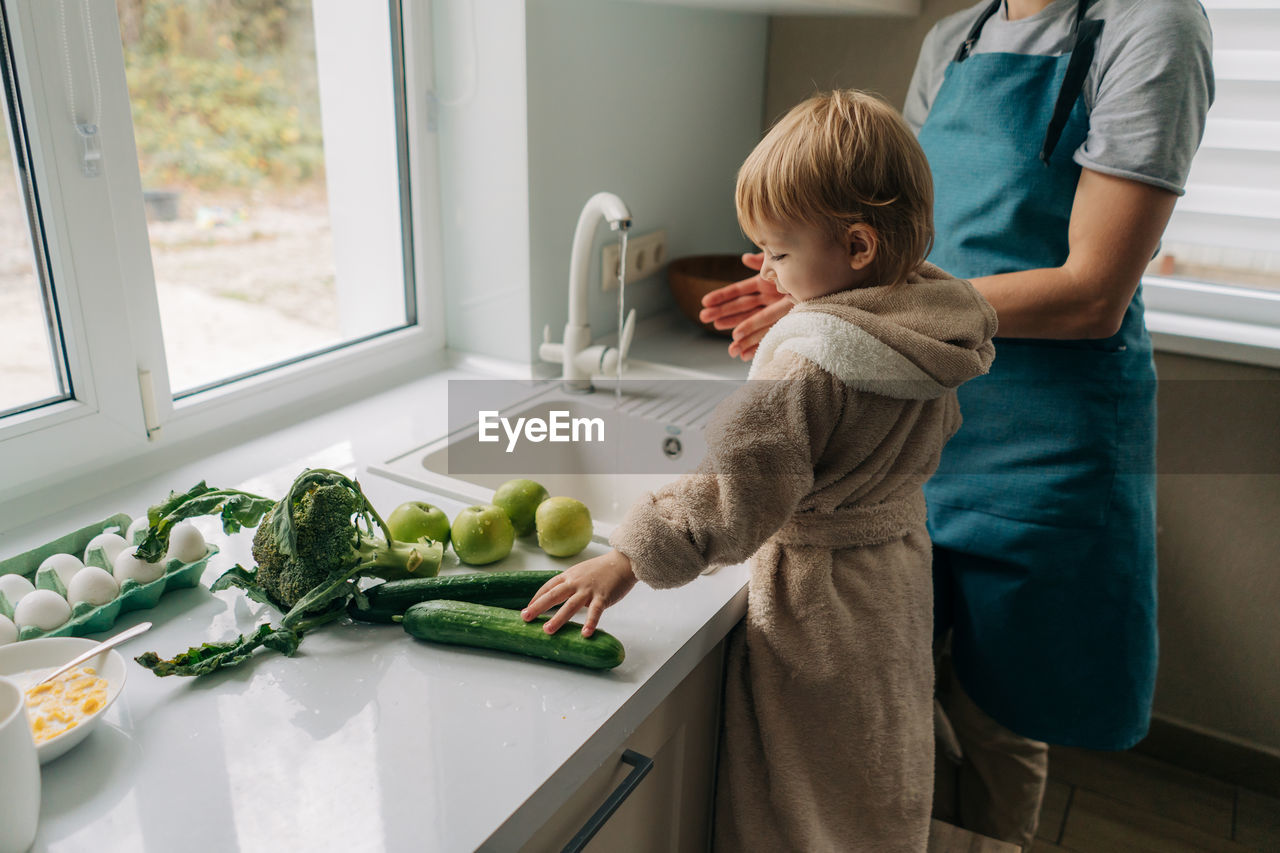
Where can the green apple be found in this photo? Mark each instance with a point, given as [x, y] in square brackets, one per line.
[564, 526]
[520, 499]
[482, 535]
[413, 520]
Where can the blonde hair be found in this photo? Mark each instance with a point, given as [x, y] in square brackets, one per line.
[839, 159]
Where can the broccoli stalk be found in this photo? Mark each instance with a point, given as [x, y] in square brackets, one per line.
[311, 548]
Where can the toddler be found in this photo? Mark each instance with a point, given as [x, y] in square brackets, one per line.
[814, 471]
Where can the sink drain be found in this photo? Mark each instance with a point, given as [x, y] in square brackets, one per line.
[671, 447]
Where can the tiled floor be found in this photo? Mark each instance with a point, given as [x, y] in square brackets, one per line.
[1101, 802]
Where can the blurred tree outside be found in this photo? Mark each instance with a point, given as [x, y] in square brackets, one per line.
[223, 92]
[226, 114]
[226, 119]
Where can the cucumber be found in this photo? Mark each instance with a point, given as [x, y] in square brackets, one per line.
[499, 589]
[480, 626]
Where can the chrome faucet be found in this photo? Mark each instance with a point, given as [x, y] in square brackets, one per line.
[579, 358]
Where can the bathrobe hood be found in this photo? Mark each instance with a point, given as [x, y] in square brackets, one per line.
[913, 341]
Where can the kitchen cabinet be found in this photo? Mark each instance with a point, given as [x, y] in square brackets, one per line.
[669, 811]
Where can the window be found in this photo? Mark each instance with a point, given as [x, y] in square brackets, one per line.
[217, 211]
[31, 354]
[251, 150]
[1214, 289]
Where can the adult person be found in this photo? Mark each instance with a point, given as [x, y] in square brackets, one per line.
[1059, 135]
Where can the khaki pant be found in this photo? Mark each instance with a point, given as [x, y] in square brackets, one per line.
[996, 785]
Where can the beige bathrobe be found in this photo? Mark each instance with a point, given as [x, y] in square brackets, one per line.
[816, 470]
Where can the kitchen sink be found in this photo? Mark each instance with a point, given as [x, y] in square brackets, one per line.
[652, 426]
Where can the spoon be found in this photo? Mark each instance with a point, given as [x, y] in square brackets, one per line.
[127, 634]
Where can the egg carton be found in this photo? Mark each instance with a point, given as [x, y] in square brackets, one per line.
[85, 617]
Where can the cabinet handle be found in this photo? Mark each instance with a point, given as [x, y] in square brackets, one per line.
[640, 765]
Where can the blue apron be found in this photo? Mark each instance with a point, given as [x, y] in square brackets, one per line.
[1043, 507]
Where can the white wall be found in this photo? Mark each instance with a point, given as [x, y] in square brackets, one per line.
[560, 99]
[658, 104]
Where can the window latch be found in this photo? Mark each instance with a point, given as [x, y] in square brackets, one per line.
[91, 165]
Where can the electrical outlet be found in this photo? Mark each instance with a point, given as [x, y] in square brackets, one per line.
[646, 255]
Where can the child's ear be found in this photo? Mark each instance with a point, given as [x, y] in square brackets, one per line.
[863, 242]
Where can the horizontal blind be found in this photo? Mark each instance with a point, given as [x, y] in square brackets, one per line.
[1230, 215]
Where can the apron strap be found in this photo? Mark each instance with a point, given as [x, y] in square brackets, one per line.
[962, 53]
[1087, 33]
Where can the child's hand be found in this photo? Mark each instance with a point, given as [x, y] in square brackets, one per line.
[595, 584]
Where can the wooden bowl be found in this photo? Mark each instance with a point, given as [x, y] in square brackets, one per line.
[692, 278]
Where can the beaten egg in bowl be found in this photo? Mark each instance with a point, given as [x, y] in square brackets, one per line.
[63, 703]
[74, 703]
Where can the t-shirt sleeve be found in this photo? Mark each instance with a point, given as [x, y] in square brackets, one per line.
[1155, 85]
[923, 82]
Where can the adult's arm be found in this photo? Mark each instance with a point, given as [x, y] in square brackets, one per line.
[1115, 227]
[1155, 86]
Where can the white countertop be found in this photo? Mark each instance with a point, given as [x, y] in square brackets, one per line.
[366, 739]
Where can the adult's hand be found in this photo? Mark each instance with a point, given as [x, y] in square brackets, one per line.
[749, 307]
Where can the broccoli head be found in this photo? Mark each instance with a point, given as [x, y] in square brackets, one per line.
[325, 542]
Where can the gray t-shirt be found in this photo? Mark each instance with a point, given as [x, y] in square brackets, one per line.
[1147, 90]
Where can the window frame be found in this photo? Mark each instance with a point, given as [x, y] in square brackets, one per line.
[66, 203]
[1211, 319]
[105, 424]
[1216, 321]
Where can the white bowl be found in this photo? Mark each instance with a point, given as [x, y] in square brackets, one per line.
[51, 652]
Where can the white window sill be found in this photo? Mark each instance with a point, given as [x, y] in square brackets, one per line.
[1213, 321]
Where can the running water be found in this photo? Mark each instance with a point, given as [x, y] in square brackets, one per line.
[622, 300]
[617, 386]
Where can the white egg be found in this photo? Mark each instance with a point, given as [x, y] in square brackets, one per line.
[112, 544]
[42, 608]
[129, 567]
[66, 566]
[137, 529]
[15, 587]
[186, 543]
[93, 585]
[8, 630]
